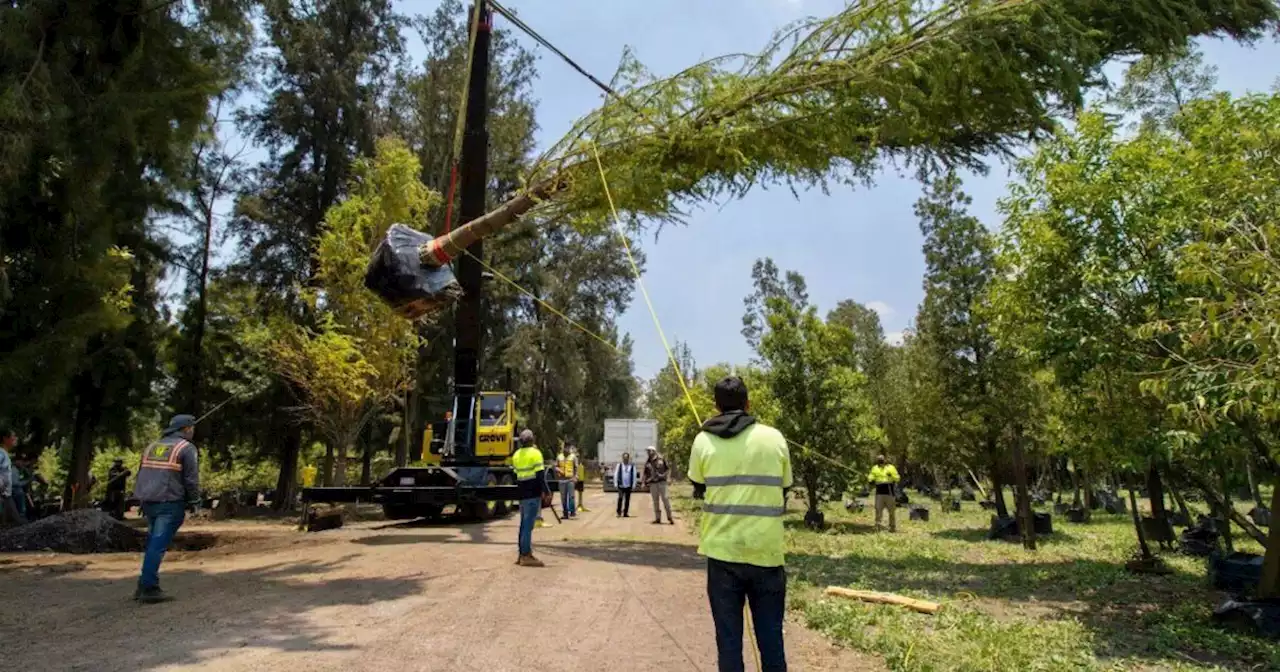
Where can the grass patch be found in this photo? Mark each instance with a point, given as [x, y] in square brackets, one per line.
[1068, 606]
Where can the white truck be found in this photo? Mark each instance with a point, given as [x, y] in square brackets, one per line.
[625, 435]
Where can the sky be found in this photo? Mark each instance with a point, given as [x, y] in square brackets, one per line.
[861, 244]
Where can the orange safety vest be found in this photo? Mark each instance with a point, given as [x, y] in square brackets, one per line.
[164, 456]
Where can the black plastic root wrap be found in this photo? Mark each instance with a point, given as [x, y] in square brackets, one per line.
[398, 276]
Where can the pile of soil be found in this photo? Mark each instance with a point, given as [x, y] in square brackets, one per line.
[82, 531]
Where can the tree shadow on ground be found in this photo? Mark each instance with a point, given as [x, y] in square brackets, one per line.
[980, 535]
[833, 527]
[477, 531]
[93, 624]
[661, 555]
[1129, 615]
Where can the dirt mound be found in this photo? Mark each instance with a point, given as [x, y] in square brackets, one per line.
[83, 531]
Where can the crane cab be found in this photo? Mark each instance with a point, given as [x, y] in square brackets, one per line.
[493, 435]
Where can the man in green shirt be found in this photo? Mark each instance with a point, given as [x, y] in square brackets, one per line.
[744, 468]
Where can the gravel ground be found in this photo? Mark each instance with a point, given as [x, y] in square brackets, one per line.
[617, 594]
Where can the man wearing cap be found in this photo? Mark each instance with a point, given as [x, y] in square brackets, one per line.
[168, 484]
[527, 462]
[567, 466]
[656, 473]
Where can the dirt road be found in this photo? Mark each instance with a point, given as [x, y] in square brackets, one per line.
[617, 594]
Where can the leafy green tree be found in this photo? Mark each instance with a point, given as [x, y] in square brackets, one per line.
[829, 99]
[1219, 343]
[821, 398]
[1159, 86]
[326, 65]
[360, 354]
[977, 379]
[566, 381]
[96, 115]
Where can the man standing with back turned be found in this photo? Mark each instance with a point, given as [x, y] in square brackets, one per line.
[744, 468]
[168, 484]
[527, 462]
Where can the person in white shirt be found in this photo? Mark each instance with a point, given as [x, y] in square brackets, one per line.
[624, 478]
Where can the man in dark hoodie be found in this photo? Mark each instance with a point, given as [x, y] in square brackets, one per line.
[743, 469]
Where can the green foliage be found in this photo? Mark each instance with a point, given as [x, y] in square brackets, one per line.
[97, 114]
[1158, 87]
[828, 99]
[1222, 350]
[566, 381]
[360, 354]
[981, 390]
[1068, 606]
[821, 398]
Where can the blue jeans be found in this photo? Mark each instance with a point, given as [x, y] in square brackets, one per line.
[163, 521]
[567, 505]
[731, 585]
[529, 509]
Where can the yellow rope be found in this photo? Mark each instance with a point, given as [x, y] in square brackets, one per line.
[542, 303]
[466, 83]
[635, 269]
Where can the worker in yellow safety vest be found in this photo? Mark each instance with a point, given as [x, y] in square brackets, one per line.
[884, 477]
[567, 466]
[742, 468]
[527, 462]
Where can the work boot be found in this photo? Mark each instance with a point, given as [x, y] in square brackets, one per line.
[671, 522]
[151, 595]
[530, 561]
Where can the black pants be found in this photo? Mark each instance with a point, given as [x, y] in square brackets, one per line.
[624, 501]
[732, 585]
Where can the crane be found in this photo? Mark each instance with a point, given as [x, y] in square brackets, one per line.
[466, 458]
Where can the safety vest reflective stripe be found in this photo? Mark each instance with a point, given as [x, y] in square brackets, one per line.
[171, 463]
[565, 466]
[744, 510]
[744, 502]
[527, 462]
[744, 479]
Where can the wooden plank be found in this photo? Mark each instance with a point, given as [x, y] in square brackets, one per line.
[922, 606]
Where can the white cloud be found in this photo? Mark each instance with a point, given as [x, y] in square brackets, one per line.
[883, 309]
[894, 338]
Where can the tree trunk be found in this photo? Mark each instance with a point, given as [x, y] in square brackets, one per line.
[287, 482]
[366, 463]
[1155, 494]
[1182, 504]
[1270, 585]
[326, 466]
[811, 491]
[89, 398]
[1026, 522]
[1137, 522]
[1089, 498]
[196, 393]
[1253, 483]
[340, 465]
[1076, 501]
[1224, 511]
[997, 493]
[408, 427]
